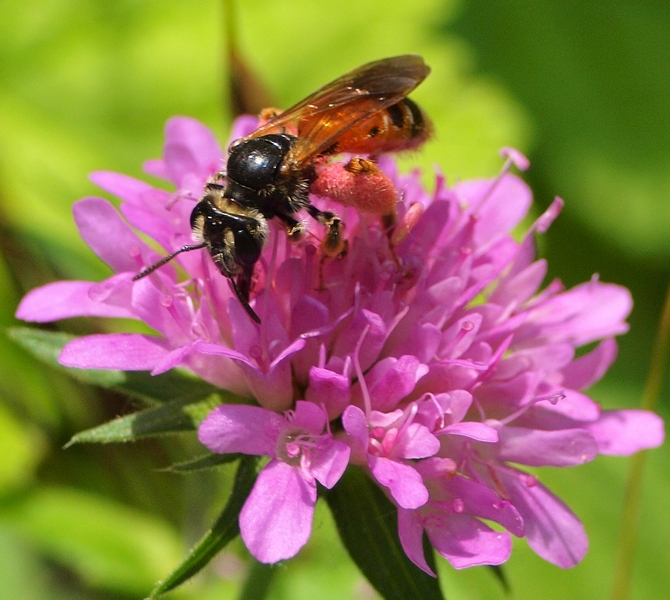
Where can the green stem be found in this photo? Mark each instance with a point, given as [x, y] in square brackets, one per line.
[623, 572]
[258, 581]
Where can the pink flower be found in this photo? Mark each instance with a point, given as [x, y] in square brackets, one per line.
[276, 520]
[444, 375]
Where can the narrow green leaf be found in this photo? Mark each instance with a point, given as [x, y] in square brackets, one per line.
[172, 385]
[173, 417]
[367, 524]
[225, 529]
[208, 461]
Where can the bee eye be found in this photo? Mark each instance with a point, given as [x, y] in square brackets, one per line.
[247, 247]
[254, 163]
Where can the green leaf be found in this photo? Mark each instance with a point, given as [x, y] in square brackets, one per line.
[201, 463]
[108, 545]
[173, 417]
[367, 524]
[173, 385]
[224, 530]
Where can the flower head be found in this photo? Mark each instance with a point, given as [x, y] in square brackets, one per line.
[438, 364]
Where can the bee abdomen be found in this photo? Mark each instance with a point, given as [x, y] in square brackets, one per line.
[401, 126]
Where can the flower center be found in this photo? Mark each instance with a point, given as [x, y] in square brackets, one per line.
[293, 447]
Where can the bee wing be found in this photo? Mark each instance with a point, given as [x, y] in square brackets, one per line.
[325, 115]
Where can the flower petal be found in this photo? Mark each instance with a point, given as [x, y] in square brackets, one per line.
[112, 240]
[328, 389]
[403, 481]
[329, 461]
[410, 532]
[466, 542]
[416, 441]
[586, 370]
[123, 186]
[552, 529]
[190, 148]
[276, 520]
[390, 380]
[124, 351]
[65, 299]
[240, 428]
[623, 432]
[480, 432]
[481, 501]
[565, 448]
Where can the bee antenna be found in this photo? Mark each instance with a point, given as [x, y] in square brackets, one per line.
[165, 260]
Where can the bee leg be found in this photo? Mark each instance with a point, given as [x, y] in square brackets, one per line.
[334, 243]
[389, 223]
[294, 229]
[404, 227]
[215, 179]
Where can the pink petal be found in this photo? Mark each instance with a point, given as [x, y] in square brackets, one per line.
[536, 448]
[276, 520]
[481, 501]
[157, 168]
[309, 416]
[416, 441]
[346, 342]
[391, 379]
[403, 481]
[623, 432]
[174, 358]
[156, 227]
[471, 429]
[169, 314]
[574, 405]
[356, 425]
[421, 341]
[112, 240]
[123, 186]
[272, 390]
[410, 532]
[518, 159]
[65, 299]
[552, 529]
[466, 542]
[190, 148]
[329, 461]
[240, 428]
[541, 358]
[328, 389]
[521, 286]
[586, 370]
[545, 220]
[584, 314]
[500, 205]
[243, 126]
[124, 351]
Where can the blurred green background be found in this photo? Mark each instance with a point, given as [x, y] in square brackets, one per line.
[582, 88]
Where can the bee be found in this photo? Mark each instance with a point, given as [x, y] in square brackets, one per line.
[271, 172]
